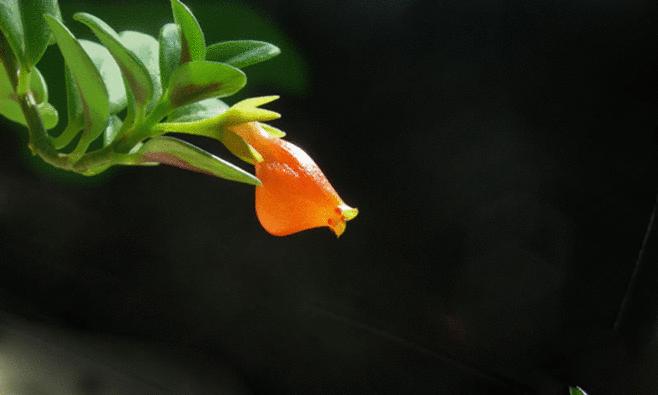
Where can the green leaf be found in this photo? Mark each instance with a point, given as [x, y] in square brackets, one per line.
[194, 43]
[110, 72]
[200, 80]
[90, 85]
[6, 88]
[170, 51]
[11, 110]
[147, 50]
[242, 53]
[136, 76]
[74, 112]
[576, 391]
[38, 86]
[49, 115]
[112, 130]
[196, 111]
[111, 75]
[178, 153]
[21, 22]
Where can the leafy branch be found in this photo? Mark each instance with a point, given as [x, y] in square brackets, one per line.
[127, 91]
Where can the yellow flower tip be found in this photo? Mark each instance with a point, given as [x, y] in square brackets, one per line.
[338, 228]
[348, 213]
[339, 224]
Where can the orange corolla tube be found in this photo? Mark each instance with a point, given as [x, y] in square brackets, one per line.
[294, 195]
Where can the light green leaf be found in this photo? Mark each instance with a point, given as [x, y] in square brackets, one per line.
[178, 153]
[147, 50]
[112, 130]
[200, 80]
[90, 86]
[576, 391]
[12, 111]
[136, 76]
[200, 110]
[194, 43]
[110, 72]
[170, 51]
[21, 22]
[242, 53]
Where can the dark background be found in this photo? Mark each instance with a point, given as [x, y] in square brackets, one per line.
[502, 154]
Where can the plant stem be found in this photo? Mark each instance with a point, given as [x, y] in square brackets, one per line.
[40, 143]
[143, 129]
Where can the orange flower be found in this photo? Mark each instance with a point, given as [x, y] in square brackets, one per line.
[294, 195]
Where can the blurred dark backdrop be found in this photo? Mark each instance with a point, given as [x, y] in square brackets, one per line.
[502, 154]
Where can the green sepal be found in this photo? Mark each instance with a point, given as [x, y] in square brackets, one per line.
[274, 132]
[248, 111]
[240, 148]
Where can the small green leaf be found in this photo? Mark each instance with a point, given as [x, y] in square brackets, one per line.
[170, 51]
[178, 153]
[242, 53]
[576, 391]
[147, 50]
[112, 130]
[110, 72]
[38, 86]
[196, 111]
[11, 110]
[200, 80]
[22, 24]
[194, 43]
[136, 76]
[49, 115]
[90, 85]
